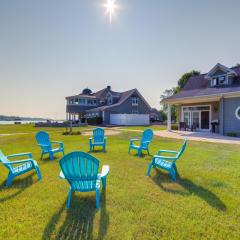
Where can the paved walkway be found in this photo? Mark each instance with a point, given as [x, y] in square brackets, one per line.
[198, 136]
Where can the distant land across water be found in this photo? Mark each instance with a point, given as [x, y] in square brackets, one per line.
[6, 120]
[16, 118]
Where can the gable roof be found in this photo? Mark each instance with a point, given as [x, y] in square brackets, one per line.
[123, 97]
[197, 86]
[221, 67]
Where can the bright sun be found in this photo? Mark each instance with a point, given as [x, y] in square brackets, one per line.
[110, 8]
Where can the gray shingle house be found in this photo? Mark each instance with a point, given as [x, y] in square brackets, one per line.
[210, 99]
[116, 108]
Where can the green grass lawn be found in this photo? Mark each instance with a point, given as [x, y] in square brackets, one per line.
[202, 204]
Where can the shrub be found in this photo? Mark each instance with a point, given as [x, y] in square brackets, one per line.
[95, 120]
[71, 133]
[232, 134]
[174, 127]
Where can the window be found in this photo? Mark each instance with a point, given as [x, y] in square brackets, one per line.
[76, 100]
[222, 80]
[214, 81]
[82, 101]
[71, 101]
[219, 80]
[237, 113]
[134, 111]
[197, 108]
[134, 101]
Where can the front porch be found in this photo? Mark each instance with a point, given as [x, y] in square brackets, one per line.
[200, 115]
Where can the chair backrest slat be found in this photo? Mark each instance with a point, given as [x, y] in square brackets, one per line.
[146, 136]
[182, 148]
[98, 134]
[43, 138]
[4, 160]
[81, 170]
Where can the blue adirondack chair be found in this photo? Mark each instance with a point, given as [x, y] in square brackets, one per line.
[19, 167]
[167, 163]
[98, 139]
[147, 137]
[46, 145]
[81, 171]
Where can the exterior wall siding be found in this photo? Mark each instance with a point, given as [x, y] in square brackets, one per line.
[231, 123]
[127, 107]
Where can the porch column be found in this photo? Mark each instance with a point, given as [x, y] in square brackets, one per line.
[169, 121]
[66, 116]
[103, 116]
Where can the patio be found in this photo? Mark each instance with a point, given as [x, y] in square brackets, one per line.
[198, 136]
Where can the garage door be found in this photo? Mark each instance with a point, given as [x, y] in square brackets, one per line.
[129, 119]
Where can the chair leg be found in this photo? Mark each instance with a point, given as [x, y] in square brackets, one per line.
[176, 171]
[38, 173]
[129, 149]
[104, 182]
[149, 169]
[63, 152]
[97, 198]
[9, 180]
[172, 174]
[69, 198]
[104, 148]
[42, 156]
[148, 152]
[139, 152]
[51, 156]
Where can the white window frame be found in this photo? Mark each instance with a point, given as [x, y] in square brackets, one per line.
[210, 115]
[135, 101]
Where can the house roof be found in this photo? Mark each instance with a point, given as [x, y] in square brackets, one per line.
[198, 86]
[123, 97]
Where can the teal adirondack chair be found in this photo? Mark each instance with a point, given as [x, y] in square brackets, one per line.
[98, 139]
[147, 137]
[81, 171]
[167, 163]
[46, 145]
[19, 167]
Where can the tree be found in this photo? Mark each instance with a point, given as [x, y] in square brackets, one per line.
[185, 77]
[169, 92]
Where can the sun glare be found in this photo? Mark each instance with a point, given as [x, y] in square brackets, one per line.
[110, 8]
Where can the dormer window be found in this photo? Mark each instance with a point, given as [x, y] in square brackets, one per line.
[214, 81]
[219, 80]
[134, 101]
[222, 80]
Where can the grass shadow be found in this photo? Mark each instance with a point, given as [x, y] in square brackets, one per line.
[191, 189]
[78, 223]
[19, 184]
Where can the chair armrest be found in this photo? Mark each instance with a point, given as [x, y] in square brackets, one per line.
[167, 151]
[165, 157]
[20, 155]
[21, 161]
[57, 142]
[105, 171]
[43, 145]
[61, 175]
[134, 140]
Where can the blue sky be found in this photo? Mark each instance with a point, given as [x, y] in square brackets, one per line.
[50, 49]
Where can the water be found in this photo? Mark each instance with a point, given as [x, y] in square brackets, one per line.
[22, 122]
